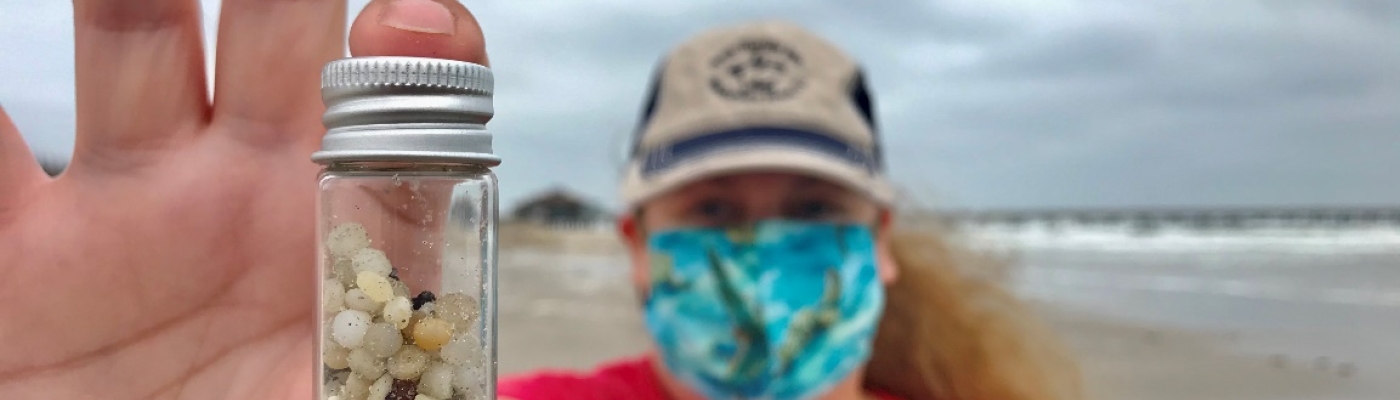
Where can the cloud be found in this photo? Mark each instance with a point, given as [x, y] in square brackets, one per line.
[990, 103]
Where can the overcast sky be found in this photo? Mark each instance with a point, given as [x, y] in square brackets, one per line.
[983, 103]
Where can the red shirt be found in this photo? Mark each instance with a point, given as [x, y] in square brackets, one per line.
[625, 379]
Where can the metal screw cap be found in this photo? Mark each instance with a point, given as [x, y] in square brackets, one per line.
[406, 109]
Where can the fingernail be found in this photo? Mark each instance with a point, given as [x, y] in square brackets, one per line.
[423, 16]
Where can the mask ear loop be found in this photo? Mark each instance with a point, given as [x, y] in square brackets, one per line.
[639, 230]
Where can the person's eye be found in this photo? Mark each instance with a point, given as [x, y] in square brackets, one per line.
[815, 210]
[715, 211]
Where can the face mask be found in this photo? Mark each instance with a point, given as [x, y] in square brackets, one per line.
[783, 310]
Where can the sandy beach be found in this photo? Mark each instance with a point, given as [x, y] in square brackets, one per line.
[566, 303]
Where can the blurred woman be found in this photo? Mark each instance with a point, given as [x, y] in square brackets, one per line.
[760, 224]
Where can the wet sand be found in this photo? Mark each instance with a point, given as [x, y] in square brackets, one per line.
[1127, 361]
[568, 304]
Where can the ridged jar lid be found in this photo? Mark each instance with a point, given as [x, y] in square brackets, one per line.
[406, 109]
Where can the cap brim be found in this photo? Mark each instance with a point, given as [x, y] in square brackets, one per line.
[637, 189]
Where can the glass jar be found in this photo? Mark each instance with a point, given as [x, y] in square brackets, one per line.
[407, 225]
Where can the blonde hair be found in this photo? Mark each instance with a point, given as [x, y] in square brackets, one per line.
[948, 334]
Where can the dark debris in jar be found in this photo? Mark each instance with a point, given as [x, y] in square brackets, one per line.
[423, 298]
[403, 390]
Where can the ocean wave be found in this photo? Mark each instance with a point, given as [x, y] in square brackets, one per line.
[1372, 239]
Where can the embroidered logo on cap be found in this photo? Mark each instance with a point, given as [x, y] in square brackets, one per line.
[757, 70]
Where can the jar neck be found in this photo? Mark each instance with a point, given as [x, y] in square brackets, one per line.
[399, 166]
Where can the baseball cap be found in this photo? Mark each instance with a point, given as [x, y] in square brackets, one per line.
[759, 96]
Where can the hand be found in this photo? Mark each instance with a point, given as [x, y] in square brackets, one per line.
[173, 260]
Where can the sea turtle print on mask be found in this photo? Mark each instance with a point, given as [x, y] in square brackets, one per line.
[780, 310]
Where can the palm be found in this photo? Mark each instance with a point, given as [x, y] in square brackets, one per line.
[173, 260]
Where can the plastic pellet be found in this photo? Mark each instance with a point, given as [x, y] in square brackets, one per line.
[466, 378]
[424, 397]
[382, 340]
[356, 299]
[335, 356]
[380, 389]
[409, 363]
[366, 364]
[373, 260]
[332, 297]
[375, 286]
[456, 308]
[348, 328]
[347, 238]
[356, 386]
[398, 312]
[462, 349]
[436, 381]
[413, 322]
[344, 271]
[431, 333]
[400, 288]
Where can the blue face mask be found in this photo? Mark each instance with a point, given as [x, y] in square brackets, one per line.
[783, 310]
